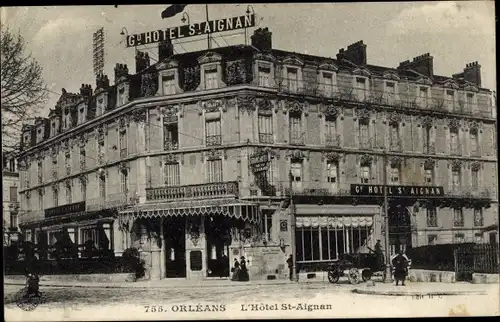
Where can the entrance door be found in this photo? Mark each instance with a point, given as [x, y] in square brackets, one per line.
[399, 229]
[217, 230]
[175, 246]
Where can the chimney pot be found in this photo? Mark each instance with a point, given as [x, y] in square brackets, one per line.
[262, 40]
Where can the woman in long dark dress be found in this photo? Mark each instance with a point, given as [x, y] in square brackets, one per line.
[244, 277]
[400, 264]
[236, 270]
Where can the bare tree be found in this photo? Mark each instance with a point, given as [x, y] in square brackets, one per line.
[23, 91]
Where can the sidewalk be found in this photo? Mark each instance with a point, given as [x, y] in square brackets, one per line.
[428, 289]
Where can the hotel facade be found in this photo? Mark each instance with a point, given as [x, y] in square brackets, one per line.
[198, 155]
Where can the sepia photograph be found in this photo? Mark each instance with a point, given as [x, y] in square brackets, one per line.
[249, 161]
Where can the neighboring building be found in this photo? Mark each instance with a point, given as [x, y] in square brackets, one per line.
[198, 153]
[10, 202]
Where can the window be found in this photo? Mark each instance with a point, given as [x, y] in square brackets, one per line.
[40, 201]
[478, 238]
[295, 128]
[429, 176]
[266, 128]
[328, 86]
[69, 197]
[170, 133]
[123, 144]
[475, 178]
[431, 217]
[81, 115]
[102, 188]
[124, 182]
[361, 88]
[394, 136]
[296, 174]
[84, 191]
[455, 179]
[332, 174]
[214, 170]
[364, 137]
[67, 163]
[211, 78]
[90, 234]
[13, 194]
[478, 217]
[213, 132]
[458, 217]
[459, 238]
[424, 96]
[292, 79]
[172, 174]
[432, 239]
[454, 146]
[28, 203]
[473, 143]
[100, 152]
[390, 88]
[331, 131]
[264, 76]
[450, 99]
[40, 173]
[82, 158]
[469, 101]
[394, 175]
[55, 197]
[13, 219]
[428, 145]
[365, 174]
[168, 82]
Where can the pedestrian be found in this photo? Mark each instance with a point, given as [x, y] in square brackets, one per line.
[223, 265]
[236, 270]
[243, 277]
[32, 283]
[379, 253]
[400, 264]
[289, 261]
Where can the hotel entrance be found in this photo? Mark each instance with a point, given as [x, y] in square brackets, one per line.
[399, 229]
[218, 233]
[175, 247]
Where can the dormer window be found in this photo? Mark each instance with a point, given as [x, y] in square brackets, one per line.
[264, 76]
[292, 79]
[81, 114]
[390, 92]
[450, 99]
[211, 78]
[168, 82]
[361, 88]
[423, 96]
[328, 84]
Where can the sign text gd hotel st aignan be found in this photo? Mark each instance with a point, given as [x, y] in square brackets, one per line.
[190, 30]
[396, 190]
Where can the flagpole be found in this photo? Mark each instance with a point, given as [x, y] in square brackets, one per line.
[208, 35]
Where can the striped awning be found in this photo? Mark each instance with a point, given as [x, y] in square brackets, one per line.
[333, 221]
[232, 208]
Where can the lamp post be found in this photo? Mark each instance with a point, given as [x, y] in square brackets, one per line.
[292, 226]
[124, 32]
[388, 275]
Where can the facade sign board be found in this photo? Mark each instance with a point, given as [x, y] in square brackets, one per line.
[190, 30]
[259, 162]
[396, 190]
[65, 209]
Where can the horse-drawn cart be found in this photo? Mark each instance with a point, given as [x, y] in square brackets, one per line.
[355, 267]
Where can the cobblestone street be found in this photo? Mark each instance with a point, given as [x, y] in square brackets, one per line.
[245, 300]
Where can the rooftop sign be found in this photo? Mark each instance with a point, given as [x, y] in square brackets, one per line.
[396, 191]
[190, 30]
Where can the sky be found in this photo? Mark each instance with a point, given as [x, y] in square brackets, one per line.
[454, 33]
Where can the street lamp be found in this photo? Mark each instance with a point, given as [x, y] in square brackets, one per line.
[124, 31]
[388, 274]
[248, 12]
[184, 15]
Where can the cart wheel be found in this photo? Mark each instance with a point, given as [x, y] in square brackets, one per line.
[354, 276]
[366, 274]
[333, 277]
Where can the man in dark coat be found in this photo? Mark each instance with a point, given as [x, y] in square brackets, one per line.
[400, 264]
[289, 261]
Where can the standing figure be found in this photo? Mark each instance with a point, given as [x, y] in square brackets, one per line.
[236, 270]
[289, 261]
[400, 264]
[244, 277]
[223, 265]
[32, 284]
[380, 255]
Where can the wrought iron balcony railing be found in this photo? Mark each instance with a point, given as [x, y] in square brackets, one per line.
[332, 140]
[207, 190]
[171, 145]
[116, 200]
[266, 138]
[396, 146]
[214, 140]
[456, 150]
[472, 192]
[429, 148]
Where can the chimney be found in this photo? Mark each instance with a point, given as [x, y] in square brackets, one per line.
[262, 40]
[120, 71]
[102, 81]
[422, 64]
[141, 61]
[86, 90]
[355, 53]
[165, 49]
[472, 73]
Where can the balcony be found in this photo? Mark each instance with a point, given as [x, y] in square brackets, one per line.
[266, 138]
[171, 145]
[476, 152]
[456, 150]
[116, 200]
[470, 192]
[214, 140]
[396, 146]
[200, 191]
[332, 140]
[298, 140]
[429, 148]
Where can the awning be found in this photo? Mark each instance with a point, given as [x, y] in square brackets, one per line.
[333, 221]
[337, 210]
[232, 208]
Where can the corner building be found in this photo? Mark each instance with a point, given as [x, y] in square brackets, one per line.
[195, 156]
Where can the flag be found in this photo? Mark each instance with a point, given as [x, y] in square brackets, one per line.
[172, 10]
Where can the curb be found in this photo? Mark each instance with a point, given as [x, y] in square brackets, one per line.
[423, 293]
